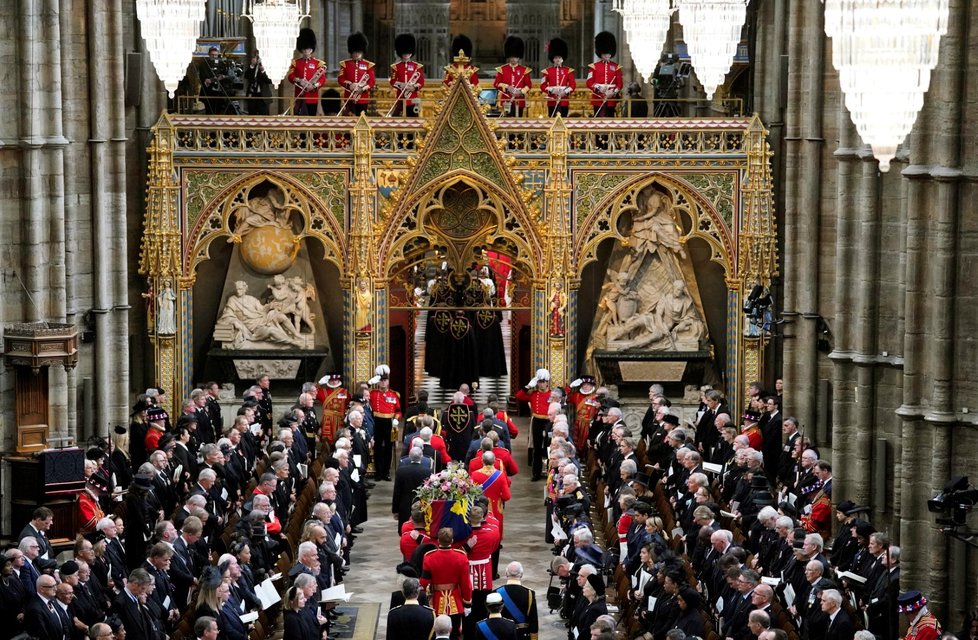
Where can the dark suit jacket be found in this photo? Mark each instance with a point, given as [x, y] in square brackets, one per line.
[301, 626]
[135, 618]
[41, 622]
[407, 478]
[42, 540]
[410, 621]
[841, 628]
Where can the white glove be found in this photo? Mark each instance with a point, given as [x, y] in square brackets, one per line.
[373, 380]
[394, 423]
[466, 611]
[532, 383]
[577, 382]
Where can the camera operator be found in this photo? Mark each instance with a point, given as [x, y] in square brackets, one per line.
[667, 83]
[258, 87]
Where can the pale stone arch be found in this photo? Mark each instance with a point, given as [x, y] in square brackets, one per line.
[214, 221]
[703, 219]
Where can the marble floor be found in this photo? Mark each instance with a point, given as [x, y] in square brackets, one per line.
[376, 553]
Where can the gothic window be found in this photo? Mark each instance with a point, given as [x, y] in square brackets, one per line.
[533, 56]
[424, 51]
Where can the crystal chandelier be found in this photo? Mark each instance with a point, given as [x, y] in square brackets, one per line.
[276, 25]
[646, 23]
[884, 51]
[711, 29]
[170, 29]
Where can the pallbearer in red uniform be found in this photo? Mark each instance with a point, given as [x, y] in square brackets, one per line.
[407, 78]
[386, 405]
[480, 546]
[586, 406]
[604, 76]
[445, 575]
[307, 74]
[558, 82]
[334, 399]
[461, 66]
[513, 80]
[357, 76]
[537, 394]
[495, 486]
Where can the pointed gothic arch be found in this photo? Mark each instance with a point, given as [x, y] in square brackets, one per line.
[216, 219]
[704, 221]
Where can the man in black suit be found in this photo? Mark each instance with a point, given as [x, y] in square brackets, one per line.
[411, 619]
[130, 606]
[496, 627]
[882, 607]
[706, 432]
[840, 625]
[737, 626]
[407, 478]
[41, 619]
[37, 528]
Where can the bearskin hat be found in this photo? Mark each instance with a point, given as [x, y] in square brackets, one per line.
[604, 43]
[555, 48]
[306, 40]
[514, 47]
[404, 44]
[463, 44]
[356, 42]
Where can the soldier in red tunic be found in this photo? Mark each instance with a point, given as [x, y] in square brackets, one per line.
[357, 76]
[586, 406]
[558, 81]
[386, 405]
[537, 394]
[480, 546]
[461, 66]
[407, 78]
[445, 575]
[307, 74]
[495, 486]
[604, 77]
[334, 399]
[513, 80]
[923, 623]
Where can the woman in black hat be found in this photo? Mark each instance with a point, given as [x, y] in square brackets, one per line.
[691, 617]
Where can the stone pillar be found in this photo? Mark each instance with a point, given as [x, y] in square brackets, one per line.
[803, 177]
[844, 393]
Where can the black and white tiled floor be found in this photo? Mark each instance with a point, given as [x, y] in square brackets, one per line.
[439, 397]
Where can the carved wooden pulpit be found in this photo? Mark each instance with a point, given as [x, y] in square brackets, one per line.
[30, 348]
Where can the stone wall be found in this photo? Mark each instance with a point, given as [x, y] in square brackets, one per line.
[885, 262]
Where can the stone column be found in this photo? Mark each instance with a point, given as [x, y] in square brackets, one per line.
[803, 176]
[846, 241]
[863, 426]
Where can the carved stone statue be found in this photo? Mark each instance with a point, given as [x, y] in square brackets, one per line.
[558, 306]
[363, 300]
[649, 299]
[166, 322]
[246, 323]
[621, 300]
[262, 211]
[671, 320]
[263, 228]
